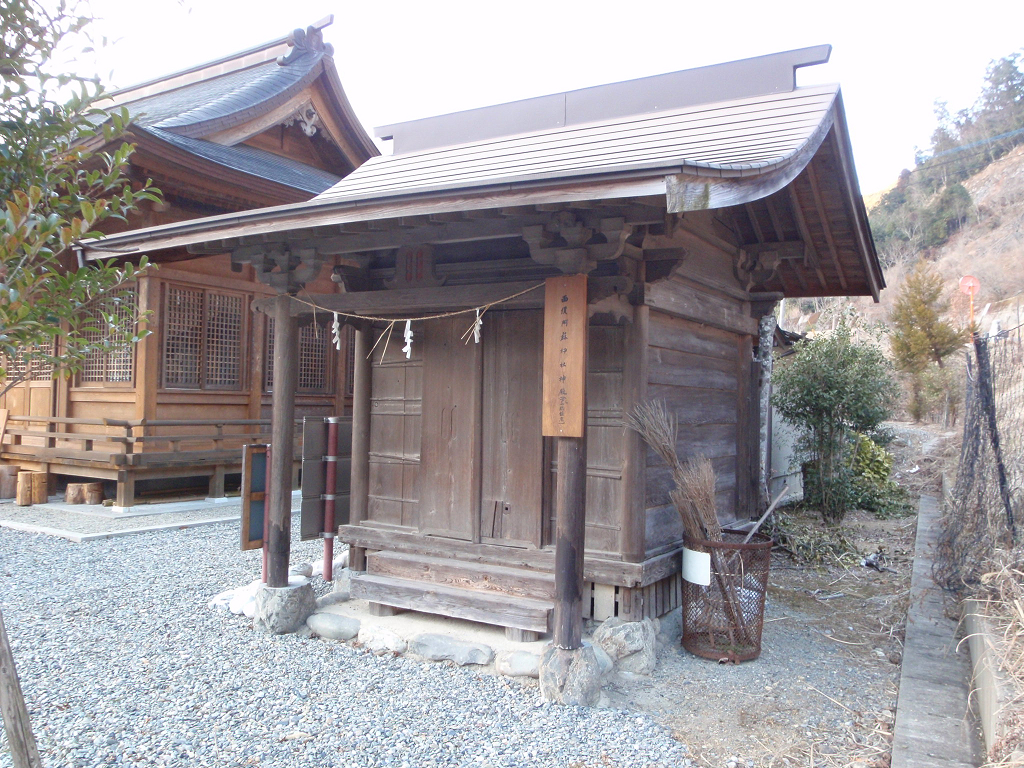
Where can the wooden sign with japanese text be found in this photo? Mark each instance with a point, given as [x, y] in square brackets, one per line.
[565, 356]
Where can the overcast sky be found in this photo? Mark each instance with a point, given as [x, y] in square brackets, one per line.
[403, 60]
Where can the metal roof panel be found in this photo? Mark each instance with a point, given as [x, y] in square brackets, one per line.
[733, 136]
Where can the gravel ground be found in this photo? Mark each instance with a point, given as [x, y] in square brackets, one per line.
[123, 663]
[92, 524]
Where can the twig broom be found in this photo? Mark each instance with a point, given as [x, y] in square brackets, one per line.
[693, 496]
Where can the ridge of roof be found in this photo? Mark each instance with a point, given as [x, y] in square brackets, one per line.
[244, 59]
[745, 78]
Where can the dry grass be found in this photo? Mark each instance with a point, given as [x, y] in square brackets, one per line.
[1002, 598]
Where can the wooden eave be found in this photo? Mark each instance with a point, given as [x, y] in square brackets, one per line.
[198, 173]
[345, 129]
[804, 207]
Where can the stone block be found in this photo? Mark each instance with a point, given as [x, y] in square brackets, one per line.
[331, 626]
[434, 647]
[518, 664]
[282, 610]
[380, 640]
[630, 644]
[571, 676]
[331, 598]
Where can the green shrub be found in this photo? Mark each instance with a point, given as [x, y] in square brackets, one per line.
[873, 486]
[831, 389]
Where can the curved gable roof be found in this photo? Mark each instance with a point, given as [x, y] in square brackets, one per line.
[231, 98]
[735, 138]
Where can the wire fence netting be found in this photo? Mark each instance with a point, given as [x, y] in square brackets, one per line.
[984, 512]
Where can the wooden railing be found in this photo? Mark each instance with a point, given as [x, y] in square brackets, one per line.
[134, 443]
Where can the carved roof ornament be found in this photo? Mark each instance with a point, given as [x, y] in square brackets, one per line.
[307, 118]
[308, 40]
[567, 243]
[756, 267]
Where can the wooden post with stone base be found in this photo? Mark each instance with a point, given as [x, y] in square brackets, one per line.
[282, 608]
[282, 429]
[569, 672]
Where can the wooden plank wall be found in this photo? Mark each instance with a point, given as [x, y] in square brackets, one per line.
[695, 369]
[607, 513]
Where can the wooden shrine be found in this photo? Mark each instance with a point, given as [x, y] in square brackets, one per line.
[665, 216]
[266, 126]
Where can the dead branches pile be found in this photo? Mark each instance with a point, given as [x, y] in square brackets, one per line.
[811, 543]
[694, 499]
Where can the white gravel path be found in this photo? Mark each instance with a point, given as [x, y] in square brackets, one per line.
[123, 663]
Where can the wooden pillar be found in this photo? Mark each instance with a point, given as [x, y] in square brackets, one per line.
[359, 487]
[570, 533]
[24, 753]
[282, 438]
[565, 418]
[147, 351]
[125, 488]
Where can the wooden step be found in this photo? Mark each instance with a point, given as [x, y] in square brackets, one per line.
[517, 582]
[474, 604]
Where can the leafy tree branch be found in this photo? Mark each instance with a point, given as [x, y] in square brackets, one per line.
[64, 171]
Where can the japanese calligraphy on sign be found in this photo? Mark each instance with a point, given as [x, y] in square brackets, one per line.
[565, 356]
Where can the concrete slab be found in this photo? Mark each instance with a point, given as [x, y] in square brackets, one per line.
[934, 723]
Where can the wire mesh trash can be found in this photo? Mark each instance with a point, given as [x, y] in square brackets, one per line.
[723, 620]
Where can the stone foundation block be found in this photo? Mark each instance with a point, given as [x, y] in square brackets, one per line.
[283, 610]
[571, 677]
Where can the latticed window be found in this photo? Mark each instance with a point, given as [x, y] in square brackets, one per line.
[41, 370]
[203, 332]
[315, 358]
[106, 364]
[223, 340]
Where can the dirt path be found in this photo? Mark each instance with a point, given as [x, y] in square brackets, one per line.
[824, 690]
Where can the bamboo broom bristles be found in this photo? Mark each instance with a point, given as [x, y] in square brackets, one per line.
[694, 494]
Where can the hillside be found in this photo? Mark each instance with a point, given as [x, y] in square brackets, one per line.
[991, 244]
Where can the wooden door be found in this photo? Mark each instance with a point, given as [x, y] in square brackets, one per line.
[450, 448]
[397, 383]
[512, 462]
